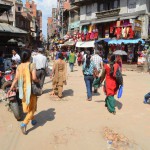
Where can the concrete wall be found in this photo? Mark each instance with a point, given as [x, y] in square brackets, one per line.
[83, 15]
[127, 6]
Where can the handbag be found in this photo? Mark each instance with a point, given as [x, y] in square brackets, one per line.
[35, 87]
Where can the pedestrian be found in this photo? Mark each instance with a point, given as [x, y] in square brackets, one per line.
[72, 60]
[16, 57]
[99, 65]
[110, 84]
[1, 62]
[59, 77]
[88, 70]
[41, 66]
[24, 77]
[79, 59]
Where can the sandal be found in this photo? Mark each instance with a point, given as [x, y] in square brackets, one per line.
[23, 128]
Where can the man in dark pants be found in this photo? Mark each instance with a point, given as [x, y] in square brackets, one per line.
[41, 65]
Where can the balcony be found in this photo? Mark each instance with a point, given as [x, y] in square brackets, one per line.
[108, 13]
[82, 2]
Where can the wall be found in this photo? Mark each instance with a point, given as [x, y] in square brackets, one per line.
[83, 15]
[127, 6]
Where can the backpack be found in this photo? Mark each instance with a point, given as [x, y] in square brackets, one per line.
[119, 77]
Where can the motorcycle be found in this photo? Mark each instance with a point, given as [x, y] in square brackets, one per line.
[7, 78]
[13, 102]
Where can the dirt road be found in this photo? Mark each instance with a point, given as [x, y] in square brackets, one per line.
[76, 124]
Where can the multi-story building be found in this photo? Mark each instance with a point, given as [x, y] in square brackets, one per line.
[36, 23]
[74, 17]
[63, 7]
[8, 15]
[110, 17]
[23, 17]
[49, 27]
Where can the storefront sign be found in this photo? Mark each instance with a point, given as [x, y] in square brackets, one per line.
[75, 25]
[138, 25]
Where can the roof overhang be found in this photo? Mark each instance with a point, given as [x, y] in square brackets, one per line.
[4, 8]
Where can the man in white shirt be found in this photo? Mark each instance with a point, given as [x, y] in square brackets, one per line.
[16, 57]
[41, 65]
[98, 61]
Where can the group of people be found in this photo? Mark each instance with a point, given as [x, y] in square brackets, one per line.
[94, 69]
[32, 69]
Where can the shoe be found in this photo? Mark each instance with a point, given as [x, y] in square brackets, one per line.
[95, 91]
[90, 99]
[33, 122]
[23, 128]
[114, 113]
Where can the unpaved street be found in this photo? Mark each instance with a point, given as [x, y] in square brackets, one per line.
[76, 124]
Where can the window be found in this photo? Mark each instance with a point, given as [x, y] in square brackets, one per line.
[19, 8]
[88, 9]
[108, 5]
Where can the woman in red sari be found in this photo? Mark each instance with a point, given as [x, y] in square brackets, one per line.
[110, 87]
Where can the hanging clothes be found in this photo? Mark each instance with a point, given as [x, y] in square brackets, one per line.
[88, 37]
[96, 34]
[92, 36]
[90, 29]
[131, 33]
[118, 33]
[124, 32]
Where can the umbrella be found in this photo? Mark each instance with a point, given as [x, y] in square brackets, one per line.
[119, 52]
[21, 44]
[12, 41]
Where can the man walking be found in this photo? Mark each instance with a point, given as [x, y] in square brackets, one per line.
[98, 63]
[16, 57]
[72, 60]
[41, 65]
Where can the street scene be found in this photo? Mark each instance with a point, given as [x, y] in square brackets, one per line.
[74, 74]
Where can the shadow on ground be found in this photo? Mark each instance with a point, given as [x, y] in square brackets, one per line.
[119, 105]
[43, 117]
[68, 92]
[47, 91]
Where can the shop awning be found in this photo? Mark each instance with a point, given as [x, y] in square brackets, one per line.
[85, 44]
[128, 17]
[7, 28]
[105, 20]
[103, 39]
[126, 41]
[85, 23]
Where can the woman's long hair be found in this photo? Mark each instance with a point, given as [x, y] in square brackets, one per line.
[88, 60]
[111, 63]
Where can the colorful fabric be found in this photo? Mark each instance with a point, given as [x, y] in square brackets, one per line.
[111, 86]
[110, 102]
[90, 70]
[24, 82]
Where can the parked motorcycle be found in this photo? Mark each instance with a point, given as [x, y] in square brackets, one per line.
[13, 102]
[7, 78]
